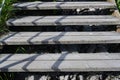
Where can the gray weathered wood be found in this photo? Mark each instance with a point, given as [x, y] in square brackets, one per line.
[24, 38]
[25, 34]
[63, 20]
[81, 62]
[38, 5]
[64, 56]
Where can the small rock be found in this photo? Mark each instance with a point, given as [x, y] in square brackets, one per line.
[30, 77]
[62, 77]
[66, 77]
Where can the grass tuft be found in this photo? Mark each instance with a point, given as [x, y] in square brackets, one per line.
[6, 13]
[6, 76]
[118, 4]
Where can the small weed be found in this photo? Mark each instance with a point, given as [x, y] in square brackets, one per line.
[20, 50]
[118, 4]
[5, 14]
[7, 76]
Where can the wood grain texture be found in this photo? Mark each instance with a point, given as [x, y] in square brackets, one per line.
[33, 38]
[65, 56]
[60, 62]
[63, 20]
[38, 5]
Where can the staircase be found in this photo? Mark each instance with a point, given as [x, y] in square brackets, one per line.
[66, 60]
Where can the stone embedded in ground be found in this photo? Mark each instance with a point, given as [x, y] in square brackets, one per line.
[66, 77]
[43, 78]
[62, 77]
[95, 77]
[30, 77]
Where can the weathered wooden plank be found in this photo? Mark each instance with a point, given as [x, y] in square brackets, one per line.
[63, 20]
[59, 57]
[50, 66]
[25, 34]
[69, 17]
[61, 38]
[40, 34]
[63, 5]
[59, 62]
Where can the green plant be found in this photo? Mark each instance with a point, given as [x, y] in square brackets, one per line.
[20, 50]
[118, 4]
[6, 13]
[7, 76]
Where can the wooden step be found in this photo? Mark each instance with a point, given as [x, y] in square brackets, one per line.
[38, 5]
[35, 38]
[59, 62]
[63, 20]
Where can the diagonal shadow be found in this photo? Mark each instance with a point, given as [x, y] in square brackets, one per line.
[6, 58]
[34, 22]
[55, 38]
[30, 60]
[60, 19]
[11, 21]
[58, 6]
[36, 6]
[29, 40]
[56, 65]
[3, 40]
[57, 22]
[26, 6]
